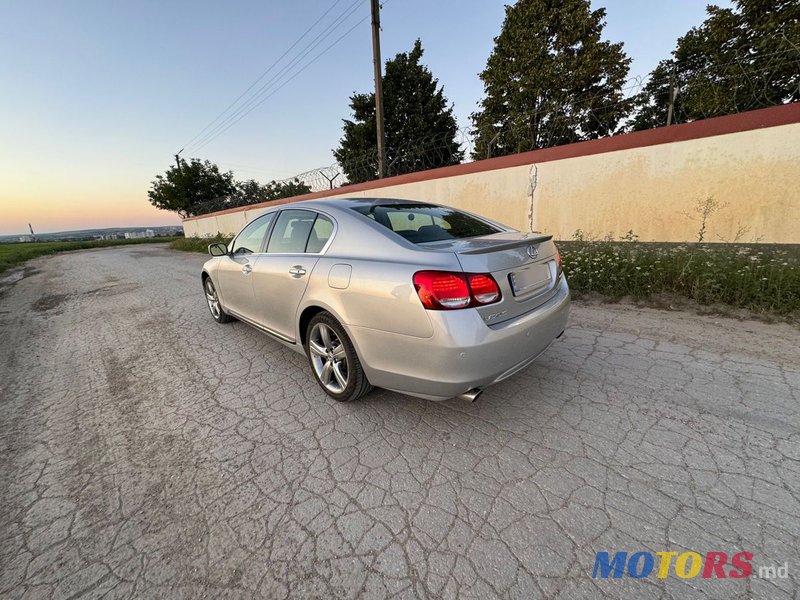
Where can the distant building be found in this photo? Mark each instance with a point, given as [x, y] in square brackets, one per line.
[26, 238]
[135, 235]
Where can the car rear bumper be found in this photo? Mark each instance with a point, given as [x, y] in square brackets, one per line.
[463, 353]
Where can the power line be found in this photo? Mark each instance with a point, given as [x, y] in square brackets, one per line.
[276, 90]
[264, 74]
[267, 89]
[250, 103]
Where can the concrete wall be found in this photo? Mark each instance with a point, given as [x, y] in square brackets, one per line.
[649, 182]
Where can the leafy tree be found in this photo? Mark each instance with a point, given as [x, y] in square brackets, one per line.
[419, 127]
[188, 188]
[252, 192]
[551, 79]
[739, 59]
[199, 187]
[275, 190]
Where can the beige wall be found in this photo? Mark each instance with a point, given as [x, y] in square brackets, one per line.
[651, 190]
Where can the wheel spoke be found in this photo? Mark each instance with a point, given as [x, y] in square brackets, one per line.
[325, 334]
[316, 348]
[337, 372]
[325, 375]
[339, 352]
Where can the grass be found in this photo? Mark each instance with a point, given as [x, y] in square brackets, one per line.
[12, 255]
[198, 244]
[760, 278]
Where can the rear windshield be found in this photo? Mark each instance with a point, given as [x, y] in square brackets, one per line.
[420, 223]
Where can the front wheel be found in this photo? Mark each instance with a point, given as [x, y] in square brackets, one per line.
[333, 359]
[212, 299]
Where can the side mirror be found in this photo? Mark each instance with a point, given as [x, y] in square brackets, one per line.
[217, 249]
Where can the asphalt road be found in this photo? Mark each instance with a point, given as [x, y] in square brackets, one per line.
[148, 452]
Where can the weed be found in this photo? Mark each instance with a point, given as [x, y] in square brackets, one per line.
[198, 244]
[762, 278]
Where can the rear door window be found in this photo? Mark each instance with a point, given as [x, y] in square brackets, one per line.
[291, 232]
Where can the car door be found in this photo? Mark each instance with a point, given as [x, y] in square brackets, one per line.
[234, 271]
[280, 276]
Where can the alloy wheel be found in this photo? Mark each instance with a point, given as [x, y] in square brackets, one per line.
[329, 358]
[211, 298]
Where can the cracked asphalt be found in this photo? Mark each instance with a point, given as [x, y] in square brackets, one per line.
[148, 452]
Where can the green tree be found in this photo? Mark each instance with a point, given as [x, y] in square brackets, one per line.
[551, 79]
[419, 127]
[738, 59]
[252, 192]
[276, 190]
[189, 188]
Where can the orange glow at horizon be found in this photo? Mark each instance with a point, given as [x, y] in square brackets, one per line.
[49, 209]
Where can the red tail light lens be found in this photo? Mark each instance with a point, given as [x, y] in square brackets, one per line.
[558, 262]
[484, 288]
[440, 290]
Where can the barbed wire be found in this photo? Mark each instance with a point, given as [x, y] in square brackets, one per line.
[748, 81]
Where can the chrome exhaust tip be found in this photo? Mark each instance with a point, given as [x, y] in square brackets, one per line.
[471, 395]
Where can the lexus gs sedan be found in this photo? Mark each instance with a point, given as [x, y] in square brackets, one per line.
[412, 297]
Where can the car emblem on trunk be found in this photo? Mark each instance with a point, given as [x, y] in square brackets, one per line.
[532, 251]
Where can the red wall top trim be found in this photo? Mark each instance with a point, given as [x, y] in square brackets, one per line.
[757, 119]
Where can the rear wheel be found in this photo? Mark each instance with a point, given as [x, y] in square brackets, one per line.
[333, 359]
[220, 316]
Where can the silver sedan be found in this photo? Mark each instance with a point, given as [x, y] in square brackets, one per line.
[413, 297]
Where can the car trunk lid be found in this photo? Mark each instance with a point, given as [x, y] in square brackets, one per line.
[523, 264]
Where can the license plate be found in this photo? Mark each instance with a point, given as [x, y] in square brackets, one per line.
[526, 281]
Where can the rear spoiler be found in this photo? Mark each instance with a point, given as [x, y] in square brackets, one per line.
[494, 247]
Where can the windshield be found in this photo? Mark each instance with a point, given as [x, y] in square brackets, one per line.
[420, 223]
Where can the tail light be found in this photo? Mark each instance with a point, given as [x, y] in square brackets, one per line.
[440, 290]
[484, 288]
[558, 263]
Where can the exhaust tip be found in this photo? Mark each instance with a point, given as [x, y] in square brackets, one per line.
[471, 395]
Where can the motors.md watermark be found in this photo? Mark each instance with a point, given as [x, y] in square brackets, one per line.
[684, 565]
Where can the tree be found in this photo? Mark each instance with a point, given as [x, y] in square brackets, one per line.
[738, 59]
[420, 130]
[252, 192]
[198, 187]
[187, 188]
[275, 190]
[551, 79]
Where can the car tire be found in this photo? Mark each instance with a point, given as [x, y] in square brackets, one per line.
[214, 305]
[333, 359]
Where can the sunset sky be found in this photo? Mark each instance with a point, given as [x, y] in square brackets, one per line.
[97, 96]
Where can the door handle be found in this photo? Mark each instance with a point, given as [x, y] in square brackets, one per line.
[297, 271]
[246, 269]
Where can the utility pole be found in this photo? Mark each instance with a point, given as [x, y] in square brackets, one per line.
[178, 161]
[672, 95]
[376, 58]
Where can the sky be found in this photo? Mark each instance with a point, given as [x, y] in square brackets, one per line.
[96, 97]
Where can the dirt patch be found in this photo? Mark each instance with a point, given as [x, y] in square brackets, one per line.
[12, 276]
[112, 290]
[49, 302]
